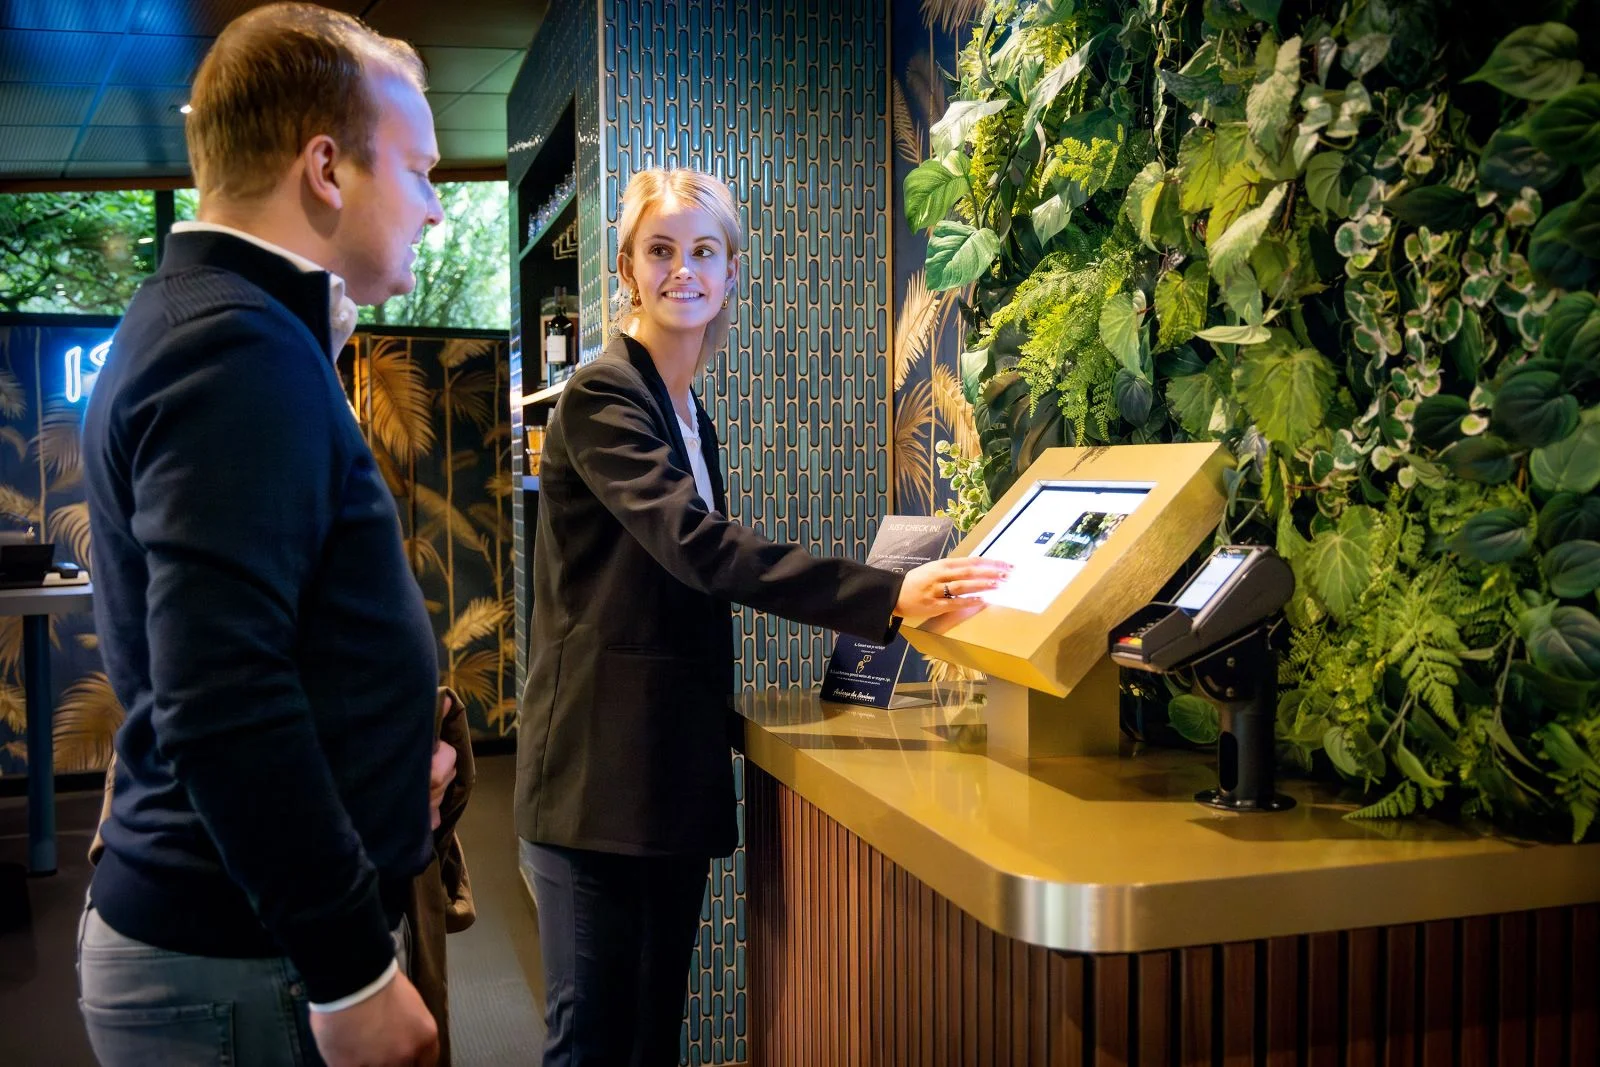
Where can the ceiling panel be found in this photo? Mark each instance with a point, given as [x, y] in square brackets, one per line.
[21, 168]
[103, 16]
[473, 146]
[147, 144]
[119, 169]
[50, 57]
[458, 70]
[473, 111]
[32, 143]
[206, 18]
[500, 79]
[44, 105]
[494, 23]
[159, 60]
[136, 105]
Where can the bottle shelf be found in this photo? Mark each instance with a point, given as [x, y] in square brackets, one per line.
[555, 221]
[544, 396]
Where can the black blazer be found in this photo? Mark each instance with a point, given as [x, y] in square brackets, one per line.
[622, 739]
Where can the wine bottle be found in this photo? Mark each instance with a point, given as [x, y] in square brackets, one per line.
[558, 339]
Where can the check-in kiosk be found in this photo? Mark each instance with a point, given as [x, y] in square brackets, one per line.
[1092, 536]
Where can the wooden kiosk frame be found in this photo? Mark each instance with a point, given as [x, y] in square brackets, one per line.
[1052, 688]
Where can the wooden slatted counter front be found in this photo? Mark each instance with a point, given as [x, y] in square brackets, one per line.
[915, 901]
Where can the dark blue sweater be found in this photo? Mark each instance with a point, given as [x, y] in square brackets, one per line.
[260, 625]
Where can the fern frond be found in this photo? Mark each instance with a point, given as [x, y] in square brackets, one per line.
[86, 721]
[1398, 804]
[13, 401]
[480, 618]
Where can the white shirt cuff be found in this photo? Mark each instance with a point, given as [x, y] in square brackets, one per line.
[366, 992]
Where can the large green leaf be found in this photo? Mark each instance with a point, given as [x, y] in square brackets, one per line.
[1134, 396]
[1573, 568]
[1181, 305]
[1339, 562]
[1235, 335]
[1200, 85]
[1413, 769]
[1572, 329]
[1198, 169]
[1533, 408]
[1119, 328]
[1267, 107]
[1241, 293]
[953, 130]
[1568, 645]
[932, 190]
[1568, 127]
[1555, 261]
[959, 254]
[1534, 62]
[1438, 207]
[1050, 218]
[1195, 719]
[1286, 392]
[1322, 182]
[1494, 536]
[1232, 250]
[1236, 193]
[1569, 517]
[1571, 465]
[1581, 229]
[1060, 76]
[1192, 398]
[1336, 743]
[1437, 423]
[1483, 459]
[1510, 163]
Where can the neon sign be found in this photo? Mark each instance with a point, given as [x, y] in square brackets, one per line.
[73, 358]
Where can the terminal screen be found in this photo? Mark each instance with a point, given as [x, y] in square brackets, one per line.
[1203, 586]
[1049, 537]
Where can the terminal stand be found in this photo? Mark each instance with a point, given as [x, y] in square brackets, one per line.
[1033, 724]
[1241, 679]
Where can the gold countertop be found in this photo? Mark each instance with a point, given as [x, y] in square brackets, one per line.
[1113, 855]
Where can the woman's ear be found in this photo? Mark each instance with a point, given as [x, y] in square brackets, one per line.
[625, 269]
[733, 273]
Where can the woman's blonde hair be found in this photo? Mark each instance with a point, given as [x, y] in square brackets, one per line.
[658, 185]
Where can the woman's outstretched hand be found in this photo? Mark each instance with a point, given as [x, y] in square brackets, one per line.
[942, 585]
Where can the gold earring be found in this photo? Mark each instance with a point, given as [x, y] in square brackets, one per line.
[636, 301]
[724, 303]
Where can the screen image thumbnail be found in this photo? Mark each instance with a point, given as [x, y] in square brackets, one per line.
[1085, 535]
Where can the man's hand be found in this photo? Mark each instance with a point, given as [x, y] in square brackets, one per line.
[391, 1028]
[441, 773]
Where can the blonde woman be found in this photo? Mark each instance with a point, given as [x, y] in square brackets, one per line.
[624, 783]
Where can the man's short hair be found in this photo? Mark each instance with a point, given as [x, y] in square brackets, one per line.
[277, 77]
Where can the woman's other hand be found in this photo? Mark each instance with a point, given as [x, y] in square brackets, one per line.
[942, 585]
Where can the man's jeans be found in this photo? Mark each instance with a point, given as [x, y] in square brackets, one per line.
[147, 1006]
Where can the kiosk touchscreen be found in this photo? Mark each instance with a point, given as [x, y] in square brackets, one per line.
[1092, 535]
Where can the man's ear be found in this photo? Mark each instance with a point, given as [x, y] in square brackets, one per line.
[320, 159]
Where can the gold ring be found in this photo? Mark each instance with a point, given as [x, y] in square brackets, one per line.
[948, 595]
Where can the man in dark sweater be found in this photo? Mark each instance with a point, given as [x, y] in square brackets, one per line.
[256, 614]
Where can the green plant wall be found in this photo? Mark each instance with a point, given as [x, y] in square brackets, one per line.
[1358, 242]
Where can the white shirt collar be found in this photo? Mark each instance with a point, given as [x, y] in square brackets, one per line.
[341, 309]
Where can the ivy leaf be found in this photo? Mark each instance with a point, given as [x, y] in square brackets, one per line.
[1533, 408]
[1437, 207]
[1267, 107]
[1437, 423]
[1363, 54]
[1573, 569]
[1483, 459]
[1181, 301]
[1322, 182]
[953, 130]
[1235, 335]
[1511, 163]
[1494, 536]
[931, 191]
[1569, 466]
[1195, 719]
[1581, 228]
[1339, 561]
[1413, 769]
[1286, 392]
[959, 254]
[1572, 329]
[1534, 62]
[1232, 250]
[1119, 329]
[1568, 645]
[1133, 395]
[1236, 193]
[1192, 398]
[1050, 218]
[1553, 260]
[1569, 517]
[1568, 127]
[1241, 293]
